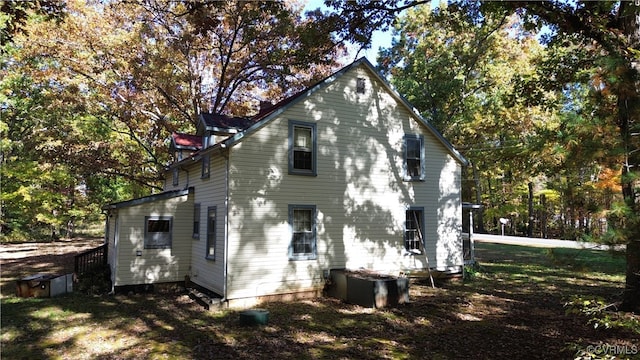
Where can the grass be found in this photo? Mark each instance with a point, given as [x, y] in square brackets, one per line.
[513, 308]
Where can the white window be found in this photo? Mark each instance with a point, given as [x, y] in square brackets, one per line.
[414, 230]
[211, 233]
[302, 148]
[196, 221]
[302, 220]
[414, 164]
[360, 85]
[176, 176]
[206, 166]
[157, 232]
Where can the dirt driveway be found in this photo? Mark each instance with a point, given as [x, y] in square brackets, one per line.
[21, 260]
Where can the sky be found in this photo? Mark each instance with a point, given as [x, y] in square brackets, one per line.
[378, 40]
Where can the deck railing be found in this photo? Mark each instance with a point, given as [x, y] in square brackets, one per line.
[90, 259]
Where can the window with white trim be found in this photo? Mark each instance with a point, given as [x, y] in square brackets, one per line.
[206, 166]
[302, 148]
[302, 220]
[196, 221]
[414, 163]
[175, 176]
[157, 232]
[414, 230]
[211, 233]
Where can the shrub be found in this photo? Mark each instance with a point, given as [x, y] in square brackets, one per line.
[95, 281]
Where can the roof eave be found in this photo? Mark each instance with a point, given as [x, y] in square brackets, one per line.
[147, 199]
[308, 92]
[300, 97]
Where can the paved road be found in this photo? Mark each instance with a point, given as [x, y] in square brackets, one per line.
[550, 243]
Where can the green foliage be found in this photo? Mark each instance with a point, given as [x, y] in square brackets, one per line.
[601, 314]
[471, 272]
[87, 108]
[95, 281]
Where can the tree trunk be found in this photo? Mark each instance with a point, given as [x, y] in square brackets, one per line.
[629, 123]
[531, 217]
[631, 297]
[480, 212]
[543, 203]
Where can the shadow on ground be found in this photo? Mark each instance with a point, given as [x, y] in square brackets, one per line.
[513, 308]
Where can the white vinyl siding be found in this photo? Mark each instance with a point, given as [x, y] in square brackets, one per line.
[210, 193]
[360, 193]
[139, 265]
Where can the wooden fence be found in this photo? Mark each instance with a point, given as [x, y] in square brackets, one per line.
[90, 259]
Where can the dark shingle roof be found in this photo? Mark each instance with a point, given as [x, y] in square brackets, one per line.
[226, 123]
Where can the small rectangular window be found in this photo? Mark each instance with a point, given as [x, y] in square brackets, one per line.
[206, 166]
[414, 165]
[302, 148]
[176, 176]
[414, 231]
[302, 220]
[360, 86]
[196, 221]
[157, 232]
[211, 233]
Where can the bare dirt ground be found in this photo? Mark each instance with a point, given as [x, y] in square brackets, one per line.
[21, 260]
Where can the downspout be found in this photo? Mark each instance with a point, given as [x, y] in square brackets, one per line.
[225, 153]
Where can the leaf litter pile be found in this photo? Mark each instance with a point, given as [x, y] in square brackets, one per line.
[513, 306]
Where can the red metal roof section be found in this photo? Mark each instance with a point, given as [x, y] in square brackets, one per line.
[187, 141]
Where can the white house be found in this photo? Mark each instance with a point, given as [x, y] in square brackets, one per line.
[344, 175]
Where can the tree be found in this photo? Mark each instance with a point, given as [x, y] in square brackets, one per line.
[459, 68]
[94, 96]
[613, 35]
[15, 13]
[614, 31]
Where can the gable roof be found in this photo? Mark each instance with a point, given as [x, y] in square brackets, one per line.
[265, 117]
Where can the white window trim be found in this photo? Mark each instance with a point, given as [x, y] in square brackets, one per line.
[314, 148]
[152, 239]
[314, 249]
[407, 176]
